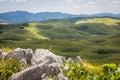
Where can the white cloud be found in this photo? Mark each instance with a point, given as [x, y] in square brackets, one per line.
[69, 1]
[13, 0]
[115, 2]
[2, 0]
[18, 1]
[90, 3]
[72, 1]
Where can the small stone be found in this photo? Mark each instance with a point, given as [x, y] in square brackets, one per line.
[70, 60]
[78, 59]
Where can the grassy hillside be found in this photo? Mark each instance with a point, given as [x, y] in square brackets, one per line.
[96, 40]
[34, 31]
[62, 29]
[96, 51]
[106, 21]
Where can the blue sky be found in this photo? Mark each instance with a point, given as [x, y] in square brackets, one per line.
[66, 6]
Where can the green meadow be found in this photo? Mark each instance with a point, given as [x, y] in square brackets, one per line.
[96, 40]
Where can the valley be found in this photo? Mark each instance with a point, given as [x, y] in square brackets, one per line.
[96, 40]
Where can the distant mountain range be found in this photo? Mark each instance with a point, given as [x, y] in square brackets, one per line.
[24, 16]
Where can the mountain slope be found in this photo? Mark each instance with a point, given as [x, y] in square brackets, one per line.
[34, 31]
[62, 29]
[94, 41]
[106, 21]
[23, 16]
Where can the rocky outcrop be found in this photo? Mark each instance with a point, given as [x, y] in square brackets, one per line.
[42, 55]
[43, 63]
[38, 72]
[24, 55]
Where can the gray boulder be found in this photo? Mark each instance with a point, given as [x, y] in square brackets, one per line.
[42, 55]
[69, 60]
[25, 55]
[78, 59]
[38, 72]
[44, 63]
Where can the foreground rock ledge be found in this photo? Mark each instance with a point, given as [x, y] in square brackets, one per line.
[42, 63]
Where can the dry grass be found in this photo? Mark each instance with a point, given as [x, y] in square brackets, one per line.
[5, 48]
[95, 69]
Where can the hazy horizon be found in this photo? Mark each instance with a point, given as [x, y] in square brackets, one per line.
[64, 6]
[60, 12]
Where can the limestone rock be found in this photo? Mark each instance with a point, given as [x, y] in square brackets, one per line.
[78, 59]
[38, 72]
[61, 77]
[44, 63]
[70, 60]
[42, 55]
[25, 55]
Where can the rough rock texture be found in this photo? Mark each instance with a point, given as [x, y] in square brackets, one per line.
[25, 55]
[61, 77]
[42, 55]
[44, 63]
[38, 72]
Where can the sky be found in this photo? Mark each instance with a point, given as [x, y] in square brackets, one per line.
[65, 6]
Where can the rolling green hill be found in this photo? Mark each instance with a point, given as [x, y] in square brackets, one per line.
[34, 31]
[106, 21]
[62, 29]
[96, 40]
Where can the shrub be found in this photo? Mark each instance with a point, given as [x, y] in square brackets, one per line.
[5, 48]
[110, 72]
[70, 49]
[106, 51]
[25, 24]
[9, 67]
[77, 71]
[21, 27]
